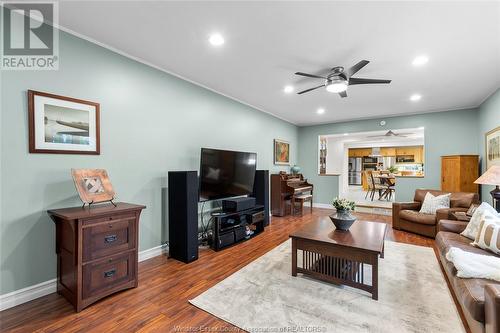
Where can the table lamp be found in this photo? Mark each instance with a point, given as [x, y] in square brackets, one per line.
[492, 177]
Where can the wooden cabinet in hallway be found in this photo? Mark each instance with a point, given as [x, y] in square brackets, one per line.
[458, 173]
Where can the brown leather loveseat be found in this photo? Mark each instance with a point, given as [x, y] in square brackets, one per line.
[406, 216]
[478, 298]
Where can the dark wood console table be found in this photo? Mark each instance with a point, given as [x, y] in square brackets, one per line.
[97, 251]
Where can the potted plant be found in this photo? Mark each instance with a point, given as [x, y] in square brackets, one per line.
[343, 219]
[392, 169]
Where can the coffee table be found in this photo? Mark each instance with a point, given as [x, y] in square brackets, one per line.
[339, 256]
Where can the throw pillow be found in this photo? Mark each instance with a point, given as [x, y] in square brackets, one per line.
[473, 226]
[432, 203]
[488, 237]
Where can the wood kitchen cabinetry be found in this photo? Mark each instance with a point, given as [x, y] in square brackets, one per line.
[417, 152]
[360, 152]
[388, 151]
[458, 173]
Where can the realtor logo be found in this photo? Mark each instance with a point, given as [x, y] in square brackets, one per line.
[29, 39]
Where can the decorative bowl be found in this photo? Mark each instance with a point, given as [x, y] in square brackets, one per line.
[343, 219]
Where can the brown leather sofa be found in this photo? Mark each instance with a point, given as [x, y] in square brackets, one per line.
[478, 298]
[406, 216]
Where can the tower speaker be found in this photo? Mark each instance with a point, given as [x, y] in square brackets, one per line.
[261, 192]
[183, 215]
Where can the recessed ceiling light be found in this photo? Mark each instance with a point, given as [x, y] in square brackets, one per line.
[420, 60]
[288, 89]
[345, 134]
[415, 97]
[216, 39]
[320, 111]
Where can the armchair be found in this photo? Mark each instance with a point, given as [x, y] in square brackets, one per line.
[406, 215]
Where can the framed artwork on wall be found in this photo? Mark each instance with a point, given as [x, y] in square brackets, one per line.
[93, 185]
[62, 125]
[281, 152]
[492, 147]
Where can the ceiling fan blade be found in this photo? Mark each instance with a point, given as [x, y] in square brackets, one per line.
[377, 136]
[343, 94]
[307, 90]
[310, 75]
[356, 80]
[351, 71]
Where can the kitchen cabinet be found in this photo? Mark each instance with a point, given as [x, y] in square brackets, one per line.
[388, 151]
[417, 152]
[359, 152]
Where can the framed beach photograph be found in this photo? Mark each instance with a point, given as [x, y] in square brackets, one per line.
[493, 147]
[281, 152]
[62, 125]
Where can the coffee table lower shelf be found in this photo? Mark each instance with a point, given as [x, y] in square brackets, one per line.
[336, 264]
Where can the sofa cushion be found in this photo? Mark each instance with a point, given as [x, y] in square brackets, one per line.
[417, 217]
[420, 194]
[473, 227]
[432, 203]
[488, 236]
[469, 292]
[457, 199]
[463, 199]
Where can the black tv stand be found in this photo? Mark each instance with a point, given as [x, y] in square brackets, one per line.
[229, 228]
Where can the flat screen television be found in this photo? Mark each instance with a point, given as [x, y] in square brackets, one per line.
[225, 173]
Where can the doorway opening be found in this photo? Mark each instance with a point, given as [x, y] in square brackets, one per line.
[369, 164]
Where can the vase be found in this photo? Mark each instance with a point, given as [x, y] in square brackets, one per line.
[342, 219]
[295, 169]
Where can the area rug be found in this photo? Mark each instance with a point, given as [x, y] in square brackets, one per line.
[264, 297]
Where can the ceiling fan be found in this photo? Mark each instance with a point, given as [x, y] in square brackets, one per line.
[338, 79]
[390, 133]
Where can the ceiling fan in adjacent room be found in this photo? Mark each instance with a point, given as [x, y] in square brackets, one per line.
[338, 79]
[390, 133]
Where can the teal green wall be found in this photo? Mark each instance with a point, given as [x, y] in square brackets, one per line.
[151, 123]
[446, 133]
[489, 118]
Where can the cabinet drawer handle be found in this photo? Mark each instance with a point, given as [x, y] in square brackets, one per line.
[109, 273]
[110, 238]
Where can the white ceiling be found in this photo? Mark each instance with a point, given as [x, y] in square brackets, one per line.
[266, 42]
[410, 137]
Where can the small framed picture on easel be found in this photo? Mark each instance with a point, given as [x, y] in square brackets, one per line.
[93, 185]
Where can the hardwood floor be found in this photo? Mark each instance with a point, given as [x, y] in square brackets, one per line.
[160, 303]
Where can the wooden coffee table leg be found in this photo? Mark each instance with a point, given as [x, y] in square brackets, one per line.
[375, 278]
[294, 257]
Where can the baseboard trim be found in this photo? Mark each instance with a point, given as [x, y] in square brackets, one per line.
[152, 252]
[27, 294]
[30, 293]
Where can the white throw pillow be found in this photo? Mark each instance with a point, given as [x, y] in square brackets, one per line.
[432, 203]
[473, 226]
[488, 237]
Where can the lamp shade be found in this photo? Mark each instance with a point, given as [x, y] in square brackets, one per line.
[490, 177]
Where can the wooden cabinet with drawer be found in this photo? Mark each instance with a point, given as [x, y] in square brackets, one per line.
[96, 251]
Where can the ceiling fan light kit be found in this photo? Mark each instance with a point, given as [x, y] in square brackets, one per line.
[336, 85]
[339, 79]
